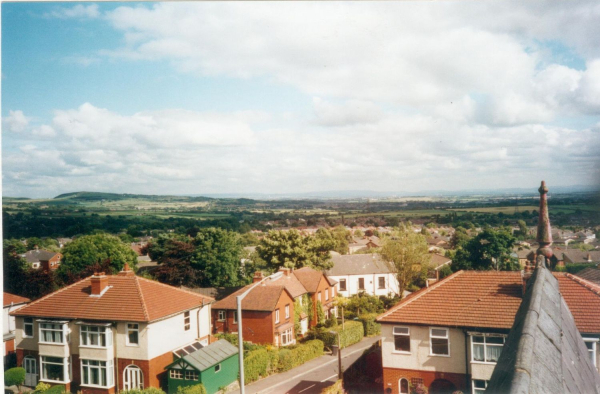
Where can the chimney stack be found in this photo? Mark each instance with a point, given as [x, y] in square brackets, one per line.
[286, 271]
[258, 276]
[99, 284]
[126, 271]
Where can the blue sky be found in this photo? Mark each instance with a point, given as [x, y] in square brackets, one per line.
[298, 97]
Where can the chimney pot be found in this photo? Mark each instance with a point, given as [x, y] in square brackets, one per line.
[258, 276]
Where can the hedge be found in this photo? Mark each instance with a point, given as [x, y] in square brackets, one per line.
[353, 333]
[148, 390]
[58, 389]
[195, 389]
[370, 326]
[14, 376]
[290, 358]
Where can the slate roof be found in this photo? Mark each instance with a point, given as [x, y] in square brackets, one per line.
[590, 274]
[261, 298]
[437, 260]
[37, 255]
[544, 352]
[358, 264]
[490, 299]
[128, 298]
[579, 256]
[12, 299]
[206, 357]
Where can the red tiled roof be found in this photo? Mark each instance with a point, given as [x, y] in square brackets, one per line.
[291, 283]
[14, 299]
[262, 298]
[310, 278]
[583, 299]
[128, 298]
[490, 299]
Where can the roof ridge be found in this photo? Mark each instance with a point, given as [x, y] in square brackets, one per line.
[419, 294]
[142, 299]
[594, 288]
[173, 287]
[53, 293]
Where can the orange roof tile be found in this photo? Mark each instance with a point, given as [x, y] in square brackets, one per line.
[14, 299]
[490, 299]
[128, 298]
[310, 278]
[262, 298]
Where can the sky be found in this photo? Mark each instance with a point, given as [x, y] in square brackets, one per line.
[296, 97]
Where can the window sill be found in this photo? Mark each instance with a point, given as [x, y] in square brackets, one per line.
[399, 352]
[484, 362]
[54, 381]
[132, 344]
[95, 386]
[53, 343]
[439, 355]
[95, 347]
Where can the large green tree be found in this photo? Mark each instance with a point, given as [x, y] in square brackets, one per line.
[489, 250]
[406, 253]
[291, 249]
[95, 249]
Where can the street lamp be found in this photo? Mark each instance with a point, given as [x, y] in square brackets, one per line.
[340, 372]
[239, 319]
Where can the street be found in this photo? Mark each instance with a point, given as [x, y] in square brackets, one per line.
[311, 377]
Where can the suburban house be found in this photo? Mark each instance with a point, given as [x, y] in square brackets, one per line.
[362, 273]
[108, 333]
[215, 366]
[437, 262]
[576, 256]
[44, 259]
[364, 243]
[264, 308]
[11, 303]
[591, 274]
[450, 335]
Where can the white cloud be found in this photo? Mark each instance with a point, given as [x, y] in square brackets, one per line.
[78, 11]
[16, 121]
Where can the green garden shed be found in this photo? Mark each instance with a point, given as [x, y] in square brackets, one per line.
[215, 366]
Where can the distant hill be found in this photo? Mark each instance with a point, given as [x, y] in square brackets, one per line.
[98, 196]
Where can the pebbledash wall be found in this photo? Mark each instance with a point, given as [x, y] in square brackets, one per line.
[153, 353]
[421, 366]
[371, 284]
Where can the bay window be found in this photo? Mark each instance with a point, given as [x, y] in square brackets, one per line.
[54, 369]
[52, 332]
[439, 342]
[97, 373]
[485, 348]
[96, 336]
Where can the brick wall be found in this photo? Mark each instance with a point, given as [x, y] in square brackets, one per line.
[323, 286]
[391, 377]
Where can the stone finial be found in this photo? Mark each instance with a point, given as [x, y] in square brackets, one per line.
[544, 232]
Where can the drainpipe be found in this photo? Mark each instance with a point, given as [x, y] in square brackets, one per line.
[467, 374]
[198, 320]
[116, 366]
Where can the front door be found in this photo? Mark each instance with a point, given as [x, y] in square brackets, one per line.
[133, 378]
[31, 372]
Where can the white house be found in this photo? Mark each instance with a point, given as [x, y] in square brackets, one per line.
[367, 273]
[11, 303]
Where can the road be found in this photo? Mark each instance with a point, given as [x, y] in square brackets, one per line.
[312, 376]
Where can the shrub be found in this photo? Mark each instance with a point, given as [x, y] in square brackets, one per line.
[370, 326]
[14, 377]
[41, 387]
[195, 389]
[58, 389]
[575, 268]
[256, 364]
[353, 333]
[149, 390]
[290, 358]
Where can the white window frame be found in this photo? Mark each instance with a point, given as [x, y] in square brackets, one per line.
[319, 297]
[478, 390]
[63, 330]
[277, 316]
[186, 321]
[287, 311]
[594, 348]
[191, 374]
[66, 369]
[110, 370]
[235, 320]
[379, 286]
[28, 323]
[221, 315]
[131, 329]
[400, 385]
[84, 331]
[345, 285]
[326, 294]
[176, 374]
[363, 284]
[288, 336]
[401, 334]
[485, 345]
[431, 336]
[332, 291]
